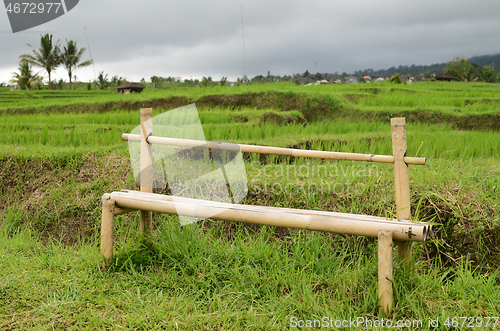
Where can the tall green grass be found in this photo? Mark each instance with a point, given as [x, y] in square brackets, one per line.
[438, 141]
[105, 129]
[196, 279]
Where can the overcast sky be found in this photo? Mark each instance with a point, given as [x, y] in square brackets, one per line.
[195, 38]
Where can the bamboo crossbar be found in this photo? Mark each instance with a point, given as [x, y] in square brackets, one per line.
[272, 150]
[353, 217]
[336, 223]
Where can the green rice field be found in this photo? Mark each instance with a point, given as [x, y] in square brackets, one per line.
[455, 98]
[61, 150]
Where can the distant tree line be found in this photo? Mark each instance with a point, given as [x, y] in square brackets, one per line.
[413, 69]
[465, 70]
[480, 68]
[475, 62]
[166, 82]
[486, 60]
[50, 56]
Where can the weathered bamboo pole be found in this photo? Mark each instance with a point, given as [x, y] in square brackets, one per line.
[146, 223]
[401, 179]
[385, 271]
[273, 150]
[108, 205]
[335, 224]
[354, 217]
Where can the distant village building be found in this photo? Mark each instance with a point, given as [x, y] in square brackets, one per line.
[418, 77]
[445, 77]
[130, 87]
[302, 80]
[368, 78]
[352, 80]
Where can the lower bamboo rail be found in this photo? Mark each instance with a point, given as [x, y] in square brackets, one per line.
[411, 231]
[354, 217]
[336, 222]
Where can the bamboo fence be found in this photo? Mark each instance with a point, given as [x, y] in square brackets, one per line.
[399, 231]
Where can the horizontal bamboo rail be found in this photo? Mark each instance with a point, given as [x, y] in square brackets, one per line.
[272, 150]
[353, 217]
[335, 223]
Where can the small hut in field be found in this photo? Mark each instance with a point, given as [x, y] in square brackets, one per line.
[445, 77]
[130, 87]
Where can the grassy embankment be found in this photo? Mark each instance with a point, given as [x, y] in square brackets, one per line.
[53, 174]
[445, 98]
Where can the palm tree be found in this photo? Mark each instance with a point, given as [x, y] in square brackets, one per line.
[47, 56]
[206, 81]
[38, 82]
[156, 81]
[70, 58]
[102, 80]
[115, 80]
[25, 77]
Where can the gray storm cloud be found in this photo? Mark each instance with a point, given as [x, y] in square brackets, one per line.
[136, 39]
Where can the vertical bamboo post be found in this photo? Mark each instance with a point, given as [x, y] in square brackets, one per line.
[401, 180]
[385, 271]
[146, 224]
[108, 206]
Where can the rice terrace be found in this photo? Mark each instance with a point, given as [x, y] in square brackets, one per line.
[61, 150]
